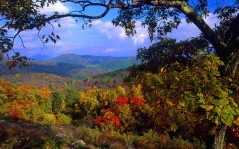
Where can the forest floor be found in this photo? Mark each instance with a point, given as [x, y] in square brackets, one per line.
[18, 135]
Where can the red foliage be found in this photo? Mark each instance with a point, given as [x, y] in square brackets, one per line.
[122, 101]
[108, 118]
[98, 121]
[137, 101]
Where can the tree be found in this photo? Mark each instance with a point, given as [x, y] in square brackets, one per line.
[159, 16]
[19, 16]
[189, 94]
[166, 52]
[57, 101]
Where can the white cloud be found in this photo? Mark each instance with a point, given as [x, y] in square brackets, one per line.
[103, 38]
[59, 7]
[109, 50]
[139, 38]
[106, 28]
[142, 34]
[188, 30]
[66, 24]
[211, 20]
[109, 30]
[184, 31]
[112, 32]
[122, 34]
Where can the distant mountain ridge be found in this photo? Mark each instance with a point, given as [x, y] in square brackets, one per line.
[104, 62]
[72, 66]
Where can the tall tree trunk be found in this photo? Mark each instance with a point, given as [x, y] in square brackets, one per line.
[229, 70]
[219, 136]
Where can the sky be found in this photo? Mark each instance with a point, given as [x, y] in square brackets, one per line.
[102, 39]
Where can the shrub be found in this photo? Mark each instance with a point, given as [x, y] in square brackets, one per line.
[48, 119]
[109, 121]
[63, 119]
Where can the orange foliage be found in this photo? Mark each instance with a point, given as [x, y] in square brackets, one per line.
[45, 93]
[25, 104]
[4, 84]
[57, 122]
[25, 88]
[10, 92]
[16, 113]
[45, 90]
[137, 101]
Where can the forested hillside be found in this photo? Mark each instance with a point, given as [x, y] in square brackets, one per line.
[108, 80]
[72, 66]
[103, 62]
[69, 115]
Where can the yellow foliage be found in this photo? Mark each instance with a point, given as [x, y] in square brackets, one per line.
[121, 91]
[88, 100]
[174, 127]
[207, 107]
[48, 119]
[181, 103]
[64, 119]
[136, 90]
[237, 121]
[169, 102]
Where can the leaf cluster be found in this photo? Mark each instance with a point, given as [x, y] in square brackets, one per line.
[167, 52]
[191, 89]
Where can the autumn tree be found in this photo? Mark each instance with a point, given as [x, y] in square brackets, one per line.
[188, 95]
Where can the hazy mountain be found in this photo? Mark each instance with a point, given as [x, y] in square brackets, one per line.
[61, 69]
[71, 65]
[105, 62]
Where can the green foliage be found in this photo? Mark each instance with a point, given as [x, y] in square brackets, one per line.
[48, 119]
[57, 101]
[67, 69]
[88, 101]
[64, 119]
[119, 109]
[126, 118]
[101, 62]
[94, 100]
[184, 96]
[177, 100]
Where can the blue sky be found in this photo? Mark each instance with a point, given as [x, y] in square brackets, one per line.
[101, 39]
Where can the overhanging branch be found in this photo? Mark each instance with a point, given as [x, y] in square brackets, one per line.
[197, 19]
